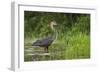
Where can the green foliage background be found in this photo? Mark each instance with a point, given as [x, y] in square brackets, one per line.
[73, 29]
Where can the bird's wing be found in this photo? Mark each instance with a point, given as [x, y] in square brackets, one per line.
[47, 41]
[44, 42]
[37, 43]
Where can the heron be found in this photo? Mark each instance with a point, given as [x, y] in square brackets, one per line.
[46, 42]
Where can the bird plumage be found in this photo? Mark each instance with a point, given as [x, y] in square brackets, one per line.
[46, 42]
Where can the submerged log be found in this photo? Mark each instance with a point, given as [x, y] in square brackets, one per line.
[40, 54]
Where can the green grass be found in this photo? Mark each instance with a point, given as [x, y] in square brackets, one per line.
[78, 47]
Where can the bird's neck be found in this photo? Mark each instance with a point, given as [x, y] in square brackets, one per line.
[55, 35]
[52, 28]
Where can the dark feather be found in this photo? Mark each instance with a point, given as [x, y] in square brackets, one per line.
[44, 42]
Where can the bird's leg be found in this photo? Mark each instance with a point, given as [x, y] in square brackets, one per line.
[46, 49]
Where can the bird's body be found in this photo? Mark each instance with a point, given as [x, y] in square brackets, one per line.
[46, 42]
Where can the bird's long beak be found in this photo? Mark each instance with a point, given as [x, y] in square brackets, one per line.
[55, 26]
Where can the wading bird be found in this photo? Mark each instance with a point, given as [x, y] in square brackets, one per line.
[46, 42]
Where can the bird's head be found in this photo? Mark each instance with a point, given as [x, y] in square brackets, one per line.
[53, 24]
